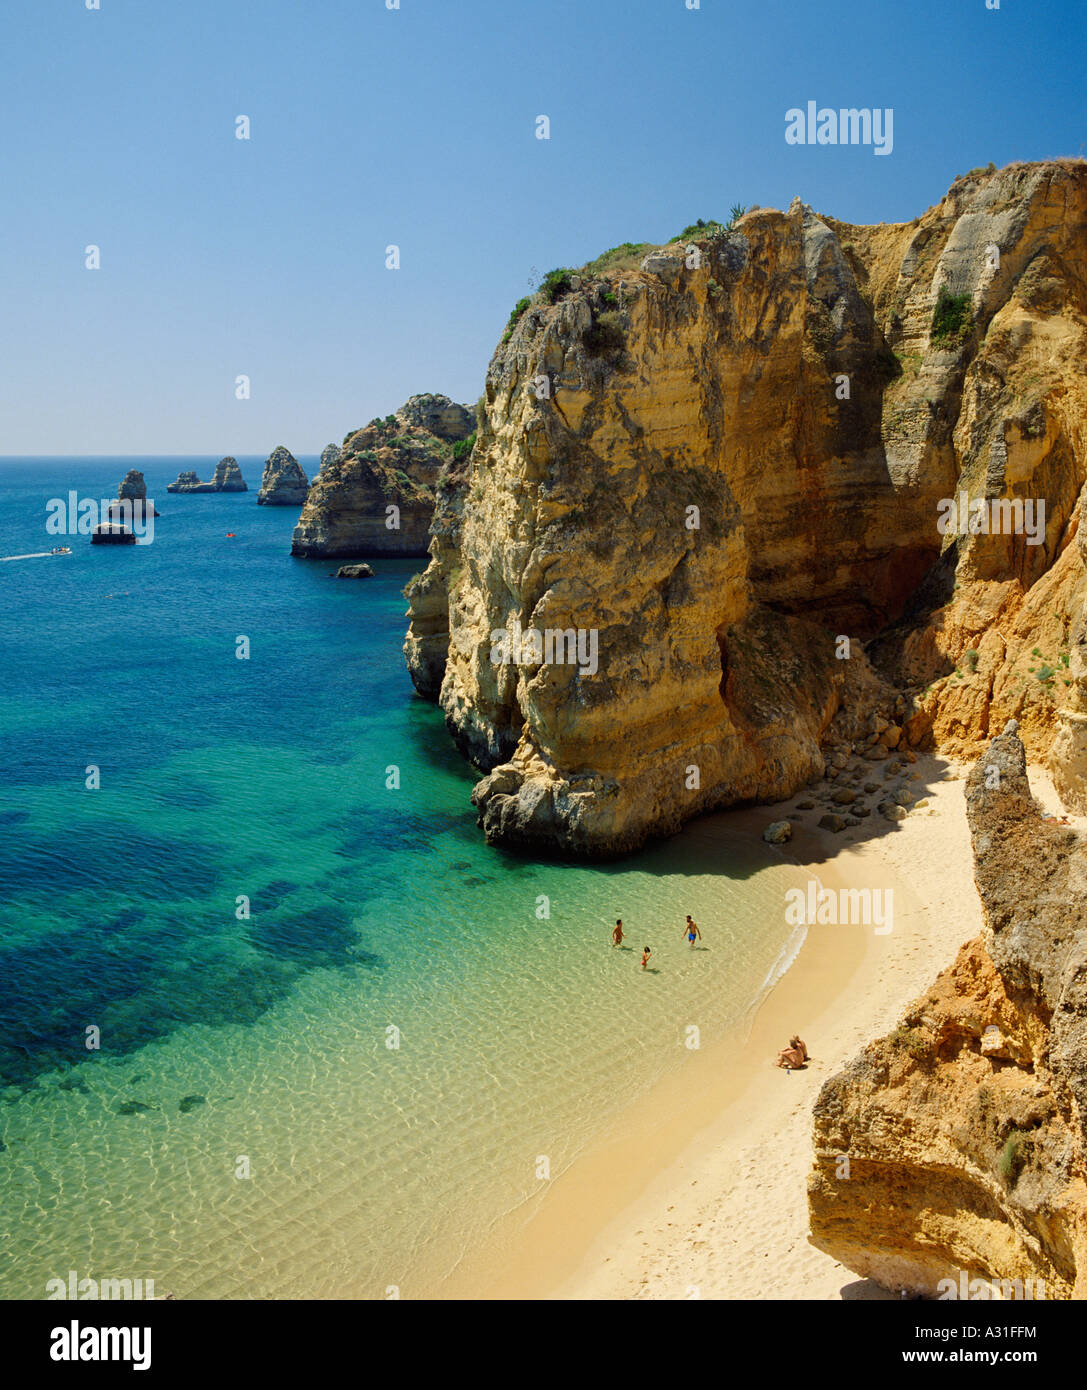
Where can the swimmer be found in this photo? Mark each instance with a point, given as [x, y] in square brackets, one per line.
[617, 934]
[645, 957]
[691, 930]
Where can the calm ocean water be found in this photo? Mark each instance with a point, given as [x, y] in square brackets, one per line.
[247, 1127]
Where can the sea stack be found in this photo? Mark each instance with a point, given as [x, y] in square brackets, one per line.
[284, 483]
[226, 478]
[376, 495]
[132, 490]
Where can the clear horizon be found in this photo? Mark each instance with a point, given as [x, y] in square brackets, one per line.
[417, 127]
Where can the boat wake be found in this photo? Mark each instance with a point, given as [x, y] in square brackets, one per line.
[37, 555]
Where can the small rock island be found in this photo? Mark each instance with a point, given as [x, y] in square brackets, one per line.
[112, 533]
[284, 483]
[226, 478]
[133, 490]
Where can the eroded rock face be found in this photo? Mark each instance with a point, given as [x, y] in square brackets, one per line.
[964, 1129]
[226, 478]
[376, 495]
[714, 471]
[284, 483]
[439, 416]
[1068, 755]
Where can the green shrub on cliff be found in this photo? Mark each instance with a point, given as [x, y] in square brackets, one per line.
[628, 255]
[516, 312]
[1014, 1155]
[554, 285]
[700, 230]
[463, 447]
[952, 318]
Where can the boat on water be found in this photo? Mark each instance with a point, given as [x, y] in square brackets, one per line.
[39, 554]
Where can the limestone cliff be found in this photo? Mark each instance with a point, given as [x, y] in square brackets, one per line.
[718, 463]
[964, 1130]
[284, 482]
[375, 496]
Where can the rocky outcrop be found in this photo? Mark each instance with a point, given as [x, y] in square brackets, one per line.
[329, 454]
[112, 533]
[439, 416]
[376, 495]
[1068, 754]
[284, 483]
[354, 572]
[226, 478]
[956, 1145]
[132, 490]
[718, 467]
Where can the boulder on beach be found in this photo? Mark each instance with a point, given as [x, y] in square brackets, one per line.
[778, 832]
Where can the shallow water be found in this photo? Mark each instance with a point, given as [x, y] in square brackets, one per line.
[396, 1037]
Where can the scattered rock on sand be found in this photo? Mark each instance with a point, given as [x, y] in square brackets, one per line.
[778, 832]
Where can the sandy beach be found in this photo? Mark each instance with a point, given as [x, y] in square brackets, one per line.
[700, 1190]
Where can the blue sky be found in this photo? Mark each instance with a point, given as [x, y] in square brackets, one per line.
[416, 126]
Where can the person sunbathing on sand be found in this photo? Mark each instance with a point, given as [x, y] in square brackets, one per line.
[795, 1055]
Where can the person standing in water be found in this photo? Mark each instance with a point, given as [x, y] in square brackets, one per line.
[617, 934]
[645, 957]
[691, 930]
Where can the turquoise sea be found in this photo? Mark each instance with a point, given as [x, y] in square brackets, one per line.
[347, 1088]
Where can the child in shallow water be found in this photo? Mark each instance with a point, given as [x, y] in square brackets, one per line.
[645, 957]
